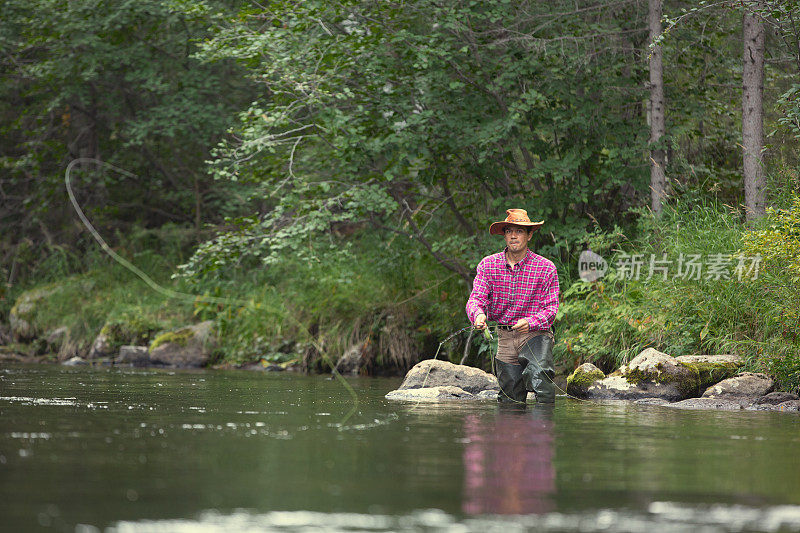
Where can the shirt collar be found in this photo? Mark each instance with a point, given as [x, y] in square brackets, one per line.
[528, 255]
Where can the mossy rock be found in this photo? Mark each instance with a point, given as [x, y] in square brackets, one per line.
[133, 331]
[652, 366]
[22, 317]
[582, 378]
[180, 337]
[712, 369]
[189, 346]
[651, 374]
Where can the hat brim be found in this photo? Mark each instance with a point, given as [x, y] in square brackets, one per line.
[497, 228]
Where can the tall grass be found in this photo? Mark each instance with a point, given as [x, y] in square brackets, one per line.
[609, 321]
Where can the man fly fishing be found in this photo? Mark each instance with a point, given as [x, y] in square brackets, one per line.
[519, 290]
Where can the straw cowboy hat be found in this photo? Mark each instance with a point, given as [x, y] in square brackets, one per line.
[516, 217]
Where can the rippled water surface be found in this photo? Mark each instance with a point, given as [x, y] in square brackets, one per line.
[151, 450]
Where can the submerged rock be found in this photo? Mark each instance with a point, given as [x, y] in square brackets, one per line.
[652, 401]
[431, 394]
[719, 404]
[75, 361]
[746, 385]
[190, 346]
[582, 378]
[435, 373]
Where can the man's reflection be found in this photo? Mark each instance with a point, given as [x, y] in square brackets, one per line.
[508, 462]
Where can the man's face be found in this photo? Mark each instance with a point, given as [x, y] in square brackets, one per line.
[517, 238]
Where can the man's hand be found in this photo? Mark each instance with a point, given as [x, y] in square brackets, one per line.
[521, 326]
[480, 321]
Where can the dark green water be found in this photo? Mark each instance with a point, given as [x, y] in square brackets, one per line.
[149, 450]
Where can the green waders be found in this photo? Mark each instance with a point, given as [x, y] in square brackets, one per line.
[512, 388]
[534, 373]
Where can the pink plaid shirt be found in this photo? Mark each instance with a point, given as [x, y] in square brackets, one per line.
[504, 294]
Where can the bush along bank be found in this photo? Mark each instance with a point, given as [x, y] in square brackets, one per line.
[108, 316]
[696, 281]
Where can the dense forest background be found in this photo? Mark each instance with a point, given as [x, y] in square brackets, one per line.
[321, 174]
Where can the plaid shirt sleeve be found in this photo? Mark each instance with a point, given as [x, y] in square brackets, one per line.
[544, 318]
[478, 301]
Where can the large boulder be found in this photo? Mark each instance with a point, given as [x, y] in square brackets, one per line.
[747, 385]
[431, 394]
[186, 347]
[582, 378]
[435, 373]
[712, 369]
[651, 374]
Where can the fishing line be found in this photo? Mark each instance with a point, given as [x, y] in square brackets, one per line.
[170, 293]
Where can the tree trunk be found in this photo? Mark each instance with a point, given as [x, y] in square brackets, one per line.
[753, 114]
[658, 180]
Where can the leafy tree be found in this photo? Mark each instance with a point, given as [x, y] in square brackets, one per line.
[116, 81]
[427, 120]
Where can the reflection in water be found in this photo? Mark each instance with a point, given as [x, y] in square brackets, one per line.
[508, 462]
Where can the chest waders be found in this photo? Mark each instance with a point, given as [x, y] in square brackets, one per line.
[534, 373]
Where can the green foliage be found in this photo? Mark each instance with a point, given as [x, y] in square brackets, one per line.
[750, 314]
[428, 121]
[777, 241]
[115, 82]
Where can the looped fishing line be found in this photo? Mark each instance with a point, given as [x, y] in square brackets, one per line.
[170, 293]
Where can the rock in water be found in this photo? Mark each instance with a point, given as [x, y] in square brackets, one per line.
[651, 374]
[190, 346]
[718, 404]
[431, 394]
[75, 361]
[774, 398]
[133, 355]
[584, 376]
[434, 373]
[747, 385]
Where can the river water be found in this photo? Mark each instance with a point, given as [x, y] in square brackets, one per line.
[132, 450]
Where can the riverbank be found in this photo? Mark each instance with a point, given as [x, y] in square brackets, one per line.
[347, 313]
